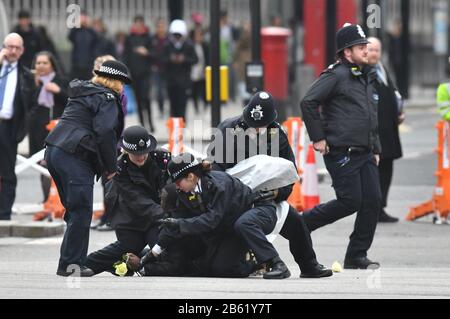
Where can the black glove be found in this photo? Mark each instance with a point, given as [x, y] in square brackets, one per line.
[147, 258]
[262, 196]
[170, 223]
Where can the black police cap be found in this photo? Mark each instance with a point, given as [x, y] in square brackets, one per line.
[260, 110]
[115, 70]
[136, 140]
[350, 35]
[180, 166]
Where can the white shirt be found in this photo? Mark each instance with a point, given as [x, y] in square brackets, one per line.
[7, 109]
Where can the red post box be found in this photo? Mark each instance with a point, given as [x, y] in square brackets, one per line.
[274, 54]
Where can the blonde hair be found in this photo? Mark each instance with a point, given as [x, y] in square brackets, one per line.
[100, 60]
[112, 84]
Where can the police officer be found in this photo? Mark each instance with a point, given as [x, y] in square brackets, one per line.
[340, 113]
[133, 197]
[82, 145]
[257, 132]
[227, 216]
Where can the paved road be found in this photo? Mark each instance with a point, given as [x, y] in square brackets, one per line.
[415, 257]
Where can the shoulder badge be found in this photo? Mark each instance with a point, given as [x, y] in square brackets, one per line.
[110, 96]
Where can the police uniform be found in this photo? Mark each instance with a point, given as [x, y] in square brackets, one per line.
[260, 112]
[341, 108]
[82, 145]
[133, 198]
[229, 221]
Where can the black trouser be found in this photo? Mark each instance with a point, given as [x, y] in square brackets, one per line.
[8, 179]
[198, 93]
[141, 87]
[357, 188]
[385, 169]
[253, 226]
[74, 179]
[178, 100]
[299, 237]
[229, 258]
[128, 241]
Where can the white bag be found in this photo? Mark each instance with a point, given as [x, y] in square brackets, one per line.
[263, 172]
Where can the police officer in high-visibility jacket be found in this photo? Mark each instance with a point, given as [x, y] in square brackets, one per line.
[443, 100]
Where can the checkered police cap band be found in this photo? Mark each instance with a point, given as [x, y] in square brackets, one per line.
[108, 70]
[176, 174]
[129, 146]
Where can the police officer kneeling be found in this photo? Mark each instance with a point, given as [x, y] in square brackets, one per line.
[227, 217]
[133, 197]
[340, 113]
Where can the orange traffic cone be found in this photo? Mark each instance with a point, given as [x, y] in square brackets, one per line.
[53, 207]
[175, 126]
[295, 133]
[310, 184]
[439, 205]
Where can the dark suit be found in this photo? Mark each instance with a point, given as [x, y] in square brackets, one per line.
[388, 114]
[12, 133]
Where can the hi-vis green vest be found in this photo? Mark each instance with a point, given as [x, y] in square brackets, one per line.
[443, 100]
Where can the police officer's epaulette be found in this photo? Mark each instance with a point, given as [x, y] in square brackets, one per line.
[110, 96]
[332, 67]
[279, 126]
[121, 163]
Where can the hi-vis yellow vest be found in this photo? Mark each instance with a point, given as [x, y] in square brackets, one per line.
[443, 100]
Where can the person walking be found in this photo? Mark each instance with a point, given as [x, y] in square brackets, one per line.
[340, 114]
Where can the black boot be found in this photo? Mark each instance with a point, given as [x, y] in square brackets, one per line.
[360, 263]
[318, 271]
[276, 269]
[385, 218]
[83, 272]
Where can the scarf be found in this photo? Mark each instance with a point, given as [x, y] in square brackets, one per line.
[45, 97]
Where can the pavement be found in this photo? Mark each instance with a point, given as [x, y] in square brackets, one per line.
[414, 255]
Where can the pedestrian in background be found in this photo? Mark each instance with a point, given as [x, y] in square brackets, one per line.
[16, 91]
[179, 57]
[340, 114]
[159, 42]
[31, 37]
[390, 116]
[48, 105]
[198, 69]
[84, 42]
[81, 146]
[139, 56]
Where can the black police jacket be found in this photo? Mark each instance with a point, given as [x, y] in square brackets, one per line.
[222, 201]
[133, 195]
[341, 107]
[233, 129]
[90, 126]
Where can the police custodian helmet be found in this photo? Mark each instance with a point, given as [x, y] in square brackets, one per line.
[350, 35]
[260, 110]
[136, 140]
